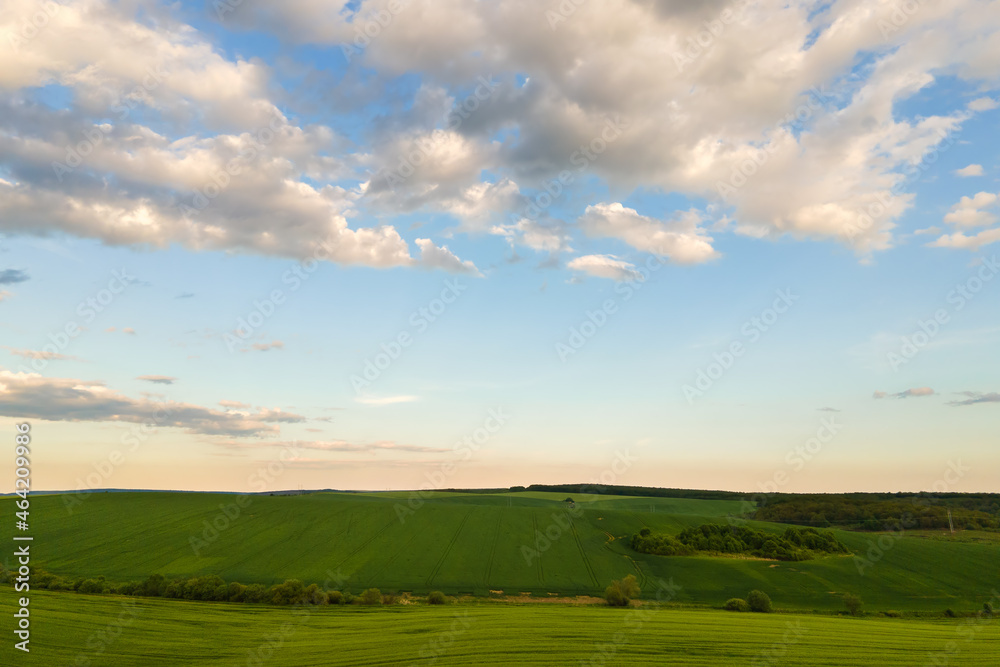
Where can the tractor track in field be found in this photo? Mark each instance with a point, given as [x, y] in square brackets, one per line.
[642, 575]
[451, 543]
[583, 554]
[493, 549]
[372, 580]
[365, 544]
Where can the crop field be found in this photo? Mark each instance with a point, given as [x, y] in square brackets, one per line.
[475, 543]
[101, 630]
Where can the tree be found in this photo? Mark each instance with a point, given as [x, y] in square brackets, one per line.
[853, 604]
[621, 591]
[759, 602]
[436, 597]
[736, 604]
[371, 596]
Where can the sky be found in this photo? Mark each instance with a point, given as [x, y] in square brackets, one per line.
[253, 246]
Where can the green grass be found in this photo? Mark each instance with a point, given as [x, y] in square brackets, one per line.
[472, 543]
[68, 628]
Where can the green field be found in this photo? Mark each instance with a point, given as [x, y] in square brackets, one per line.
[68, 627]
[474, 543]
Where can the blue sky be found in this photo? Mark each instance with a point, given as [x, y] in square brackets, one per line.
[248, 144]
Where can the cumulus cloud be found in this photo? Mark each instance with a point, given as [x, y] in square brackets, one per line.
[971, 170]
[969, 212]
[974, 397]
[973, 211]
[158, 379]
[681, 239]
[434, 257]
[605, 266]
[29, 395]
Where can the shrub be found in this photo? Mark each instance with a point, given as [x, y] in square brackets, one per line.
[893, 614]
[335, 597]
[254, 593]
[853, 604]
[759, 602]
[949, 613]
[91, 586]
[390, 598]
[349, 598]
[437, 597]
[289, 592]
[621, 591]
[371, 596]
[737, 604]
[313, 595]
[988, 608]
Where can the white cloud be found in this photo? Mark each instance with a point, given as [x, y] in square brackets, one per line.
[29, 395]
[971, 211]
[605, 266]
[434, 257]
[681, 239]
[385, 400]
[158, 379]
[971, 170]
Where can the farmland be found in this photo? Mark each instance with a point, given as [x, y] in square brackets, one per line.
[475, 543]
[75, 629]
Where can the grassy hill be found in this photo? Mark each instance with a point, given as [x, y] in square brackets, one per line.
[149, 632]
[474, 543]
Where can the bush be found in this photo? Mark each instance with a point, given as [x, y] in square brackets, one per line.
[736, 604]
[853, 604]
[759, 602]
[893, 613]
[335, 597]
[91, 586]
[949, 613]
[437, 597]
[621, 591]
[371, 596]
[289, 592]
[254, 593]
[988, 608]
[314, 595]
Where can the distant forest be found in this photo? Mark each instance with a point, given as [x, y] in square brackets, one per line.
[855, 511]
